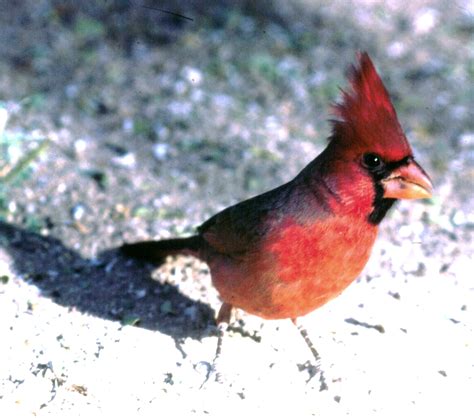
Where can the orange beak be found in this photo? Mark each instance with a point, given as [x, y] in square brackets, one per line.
[408, 182]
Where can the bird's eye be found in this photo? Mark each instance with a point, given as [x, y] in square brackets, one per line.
[372, 161]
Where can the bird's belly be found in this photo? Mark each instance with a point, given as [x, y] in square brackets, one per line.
[295, 272]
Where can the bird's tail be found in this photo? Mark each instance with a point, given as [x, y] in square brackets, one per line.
[157, 251]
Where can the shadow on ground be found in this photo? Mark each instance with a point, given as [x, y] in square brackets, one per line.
[110, 287]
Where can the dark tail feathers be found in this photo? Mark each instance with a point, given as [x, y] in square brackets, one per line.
[157, 251]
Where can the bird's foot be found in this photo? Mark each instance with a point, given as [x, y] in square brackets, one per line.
[213, 375]
[313, 371]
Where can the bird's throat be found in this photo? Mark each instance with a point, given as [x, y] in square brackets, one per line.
[380, 205]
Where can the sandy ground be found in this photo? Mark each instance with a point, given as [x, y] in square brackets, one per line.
[151, 142]
[58, 361]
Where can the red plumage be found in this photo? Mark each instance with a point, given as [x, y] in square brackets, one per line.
[286, 252]
[367, 118]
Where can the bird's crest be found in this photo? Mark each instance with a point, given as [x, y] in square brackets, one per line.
[366, 117]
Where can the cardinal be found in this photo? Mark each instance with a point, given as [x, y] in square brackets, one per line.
[287, 252]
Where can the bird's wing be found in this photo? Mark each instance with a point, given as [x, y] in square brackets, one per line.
[239, 228]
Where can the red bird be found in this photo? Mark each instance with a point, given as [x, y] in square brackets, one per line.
[288, 251]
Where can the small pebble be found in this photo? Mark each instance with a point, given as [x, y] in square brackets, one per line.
[78, 211]
[80, 146]
[425, 20]
[193, 75]
[140, 293]
[127, 125]
[160, 151]
[127, 160]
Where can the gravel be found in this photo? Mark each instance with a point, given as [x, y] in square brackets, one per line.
[151, 133]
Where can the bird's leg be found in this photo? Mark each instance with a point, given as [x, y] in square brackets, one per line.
[225, 312]
[223, 320]
[314, 352]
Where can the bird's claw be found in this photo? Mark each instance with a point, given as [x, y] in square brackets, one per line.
[212, 375]
[314, 370]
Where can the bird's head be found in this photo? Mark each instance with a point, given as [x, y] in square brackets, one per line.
[368, 137]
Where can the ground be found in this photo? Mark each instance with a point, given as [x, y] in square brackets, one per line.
[149, 123]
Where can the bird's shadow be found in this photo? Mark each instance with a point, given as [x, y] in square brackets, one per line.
[110, 287]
